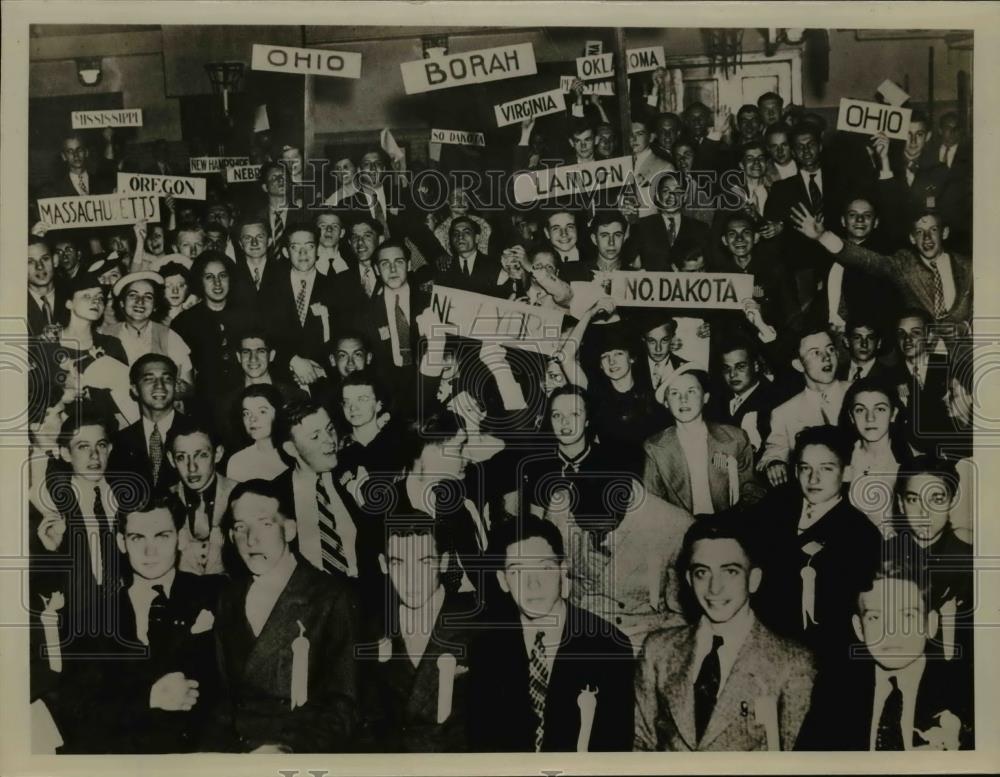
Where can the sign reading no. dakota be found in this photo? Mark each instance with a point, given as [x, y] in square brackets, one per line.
[101, 210]
[722, 291]
[458, 137]
[515, 324]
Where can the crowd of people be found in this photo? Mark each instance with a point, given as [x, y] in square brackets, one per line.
[279, 503]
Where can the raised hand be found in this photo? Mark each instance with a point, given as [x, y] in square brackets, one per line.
[806, 222]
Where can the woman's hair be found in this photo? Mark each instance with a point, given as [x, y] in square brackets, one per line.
[897, 434]
[264, 391]
[564, 391]
[434, 429]
[160, 305]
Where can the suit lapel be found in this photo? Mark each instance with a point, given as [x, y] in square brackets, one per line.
[677, 467]
[679, 688]
[742, 686]
[718, 484]
[273, 642]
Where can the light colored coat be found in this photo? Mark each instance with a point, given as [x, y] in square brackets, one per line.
[205, 557]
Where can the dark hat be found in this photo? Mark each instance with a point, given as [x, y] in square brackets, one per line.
[86, 278]
[616, 336]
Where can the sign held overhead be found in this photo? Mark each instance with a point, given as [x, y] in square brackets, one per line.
[597, 66]
[178, 186]
[458, 137]
[216, 164]
[722, 291]
[307, 62]
[126, 117]
[641, 60]
[867, 118]
[530, 107]
[572, 179]
[471, 67]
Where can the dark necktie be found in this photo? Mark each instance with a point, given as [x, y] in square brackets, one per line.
[403, 332]
[198, 520]
[105, 540]
[159, 617]
[47, 311]
[857, 373]
[466, 270]
[538, 685]
[815, 195]
[332, 547]
[156, 452]
[671, 232]
[889, 735]
[279, 228]
[706, 688]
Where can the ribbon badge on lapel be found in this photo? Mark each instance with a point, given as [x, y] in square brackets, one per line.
[446, 664]
[300, 668]
[765, 713]
[587, 702]
[50, 626]
[320, 311]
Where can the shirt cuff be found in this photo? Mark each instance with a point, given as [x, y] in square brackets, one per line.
[831, 242]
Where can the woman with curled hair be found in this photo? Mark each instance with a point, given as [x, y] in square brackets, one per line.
[870, 418]
[259, 403]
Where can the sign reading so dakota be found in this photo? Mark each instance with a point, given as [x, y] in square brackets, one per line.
[216, 164]
[514, 324]
[470, 67]
[308, 62]
[572, 179]
[530, 107]
[723, 291]
[458, 137]
[179, 186]
[102, 210]
[867, 118]
[127, 117]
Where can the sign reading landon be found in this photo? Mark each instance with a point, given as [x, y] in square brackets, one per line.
[471, 67]
[128, 117]
[540, 104]
[458, 137]
[867, 118]
[572, 179]
[179, 186]
[515, 324]
[308, 62]
[103, 210]
[723, 291]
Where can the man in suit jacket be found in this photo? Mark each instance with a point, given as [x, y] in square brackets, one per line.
[44, 299]
[78, 180]
[140, 450]
[864, 346]
[285, 640]
[702, 467]
[923, 380]
[727, 683]
[894, 697]
[817, 404]
[661, 362]
[562, 231]
[930, 278]
[256, 271]
[194, 450]
[416, 697]
[818, 547]
[748, 396]
[468, 268]
[669, 233]
[537, 681]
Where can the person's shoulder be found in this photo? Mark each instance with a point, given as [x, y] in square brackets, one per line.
[783, 651]
[662, 439]
[595, 634]
[664, 642]
[725, 432]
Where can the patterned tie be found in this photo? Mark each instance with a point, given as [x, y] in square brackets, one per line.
[300, 302]
[857, 373]
[403, 332]
[159, 618]
[279, 228]
[332, 547]
[379, 214]
[538, 684]
[706, 688]
[671, 232]
[815, 195]
[368, 279]
[81, 182]
[256, 278]
[889, 735]
[105, 541]
[937, 291]
[156, 452]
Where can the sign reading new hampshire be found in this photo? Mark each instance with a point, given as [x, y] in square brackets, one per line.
[572, 179]
[100, 210]
[470, 67]
[722, 291]
[216, 164]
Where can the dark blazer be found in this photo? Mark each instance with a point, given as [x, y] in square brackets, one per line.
[139, 728]
[99, 182]
[925, 412]
[400, 700]
[405, 224]
[485, 270]
[375, 323]
[931, 188]
[129, 460]
[593, 654]
[766, 666]
[291, 338]
[256, 672]
[246, 293]
[36, 317]
[654, 251]
[641, 373]
[211, 336]
[851, 551]
[762, 401]
[844, 700]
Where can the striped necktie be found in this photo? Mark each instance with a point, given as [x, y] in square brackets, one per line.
[538, 685]
[331, 544]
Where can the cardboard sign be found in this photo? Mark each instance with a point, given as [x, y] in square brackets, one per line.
[893, 93]
[603, 88]
[693, 348]
[867, 118]
[127, 117]
[514, 324]
[706, 290]
[216, 164]
[472, 67]
[572, 179]
[458, 137]
[595, 67]
[307, 62]
[243, 174]
[530, 107]
[178, 186]
[592, 47]
[102, 210]
[641, 60]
